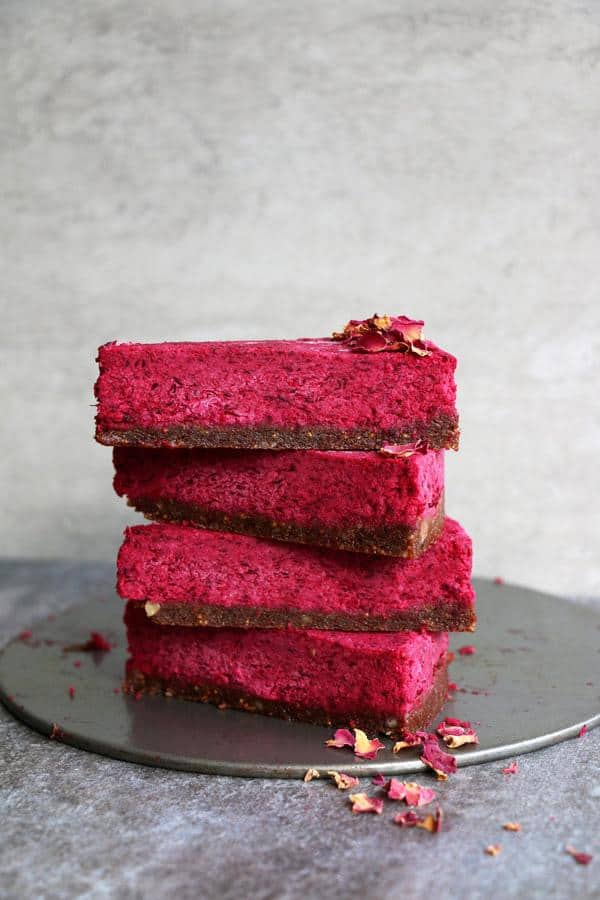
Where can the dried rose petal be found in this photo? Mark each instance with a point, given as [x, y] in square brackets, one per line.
[341, 738]
[407, 820]
[410, 791]
[25, 635]
[442, 763]
[408, 740]
[365, 748]
[363, 804]
[371, 342]
[310, 774]
[467, 650]
[343, 781]
[396, 790]
[432, 821]
[397, 333]
[582, 858]
[403, 451]
[583, 730]
[417, 795]
[71, 692]
[499, 581]
[512, 826]
[57, 733]
[512, 769]
[378, 780]
[456, 733]
[410, 329]
[96, 641]
[77, 663]
[493, 849]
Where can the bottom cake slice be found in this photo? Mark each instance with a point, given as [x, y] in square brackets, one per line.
[390, 682]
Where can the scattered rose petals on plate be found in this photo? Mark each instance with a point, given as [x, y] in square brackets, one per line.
[442, 763]
[361, 803]
[582, 858]
[341, 738]
[455, 733]
[311, 774]
[363, 747]
[511, 769]
[379, 780]
[343, 781]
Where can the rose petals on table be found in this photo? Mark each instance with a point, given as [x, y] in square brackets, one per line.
[511, 769]
[311, 774]
[582, 858]
[361, 803]
[343, 781]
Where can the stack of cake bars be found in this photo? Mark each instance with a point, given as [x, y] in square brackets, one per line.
[300, 563]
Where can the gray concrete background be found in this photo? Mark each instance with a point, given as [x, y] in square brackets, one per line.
[200, 170]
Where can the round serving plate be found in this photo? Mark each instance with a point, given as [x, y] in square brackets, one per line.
[534, 681]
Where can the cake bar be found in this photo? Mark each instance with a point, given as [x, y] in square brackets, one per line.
[189, 576]
[387, 682]
[304, 394]
[359, 501]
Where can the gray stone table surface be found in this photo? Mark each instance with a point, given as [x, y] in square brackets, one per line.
[79, 825]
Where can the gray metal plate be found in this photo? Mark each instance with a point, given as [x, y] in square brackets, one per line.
[534, 681]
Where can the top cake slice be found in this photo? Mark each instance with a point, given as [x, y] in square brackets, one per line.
[304, 394]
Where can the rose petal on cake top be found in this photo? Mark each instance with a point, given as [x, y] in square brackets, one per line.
[493, 849]
[379, 780]
[371, 342]
[311, 774]
[364, 747]
[341, 738]
[582, 858]
[467, 650]
[361, 803]
[395, 333]
[343, 781]
[455, 733]
[512, 826]
[442, 763]
[511, 769]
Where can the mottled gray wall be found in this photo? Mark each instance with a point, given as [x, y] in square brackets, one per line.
[265, 169]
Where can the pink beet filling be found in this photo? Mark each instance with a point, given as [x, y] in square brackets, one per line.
[312, 487]
[181, 564]
[338, 672]
[270, 383]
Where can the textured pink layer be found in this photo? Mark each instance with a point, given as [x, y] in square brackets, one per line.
[288, 384]
[310, 487]
[180, 564]
[334, 671]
